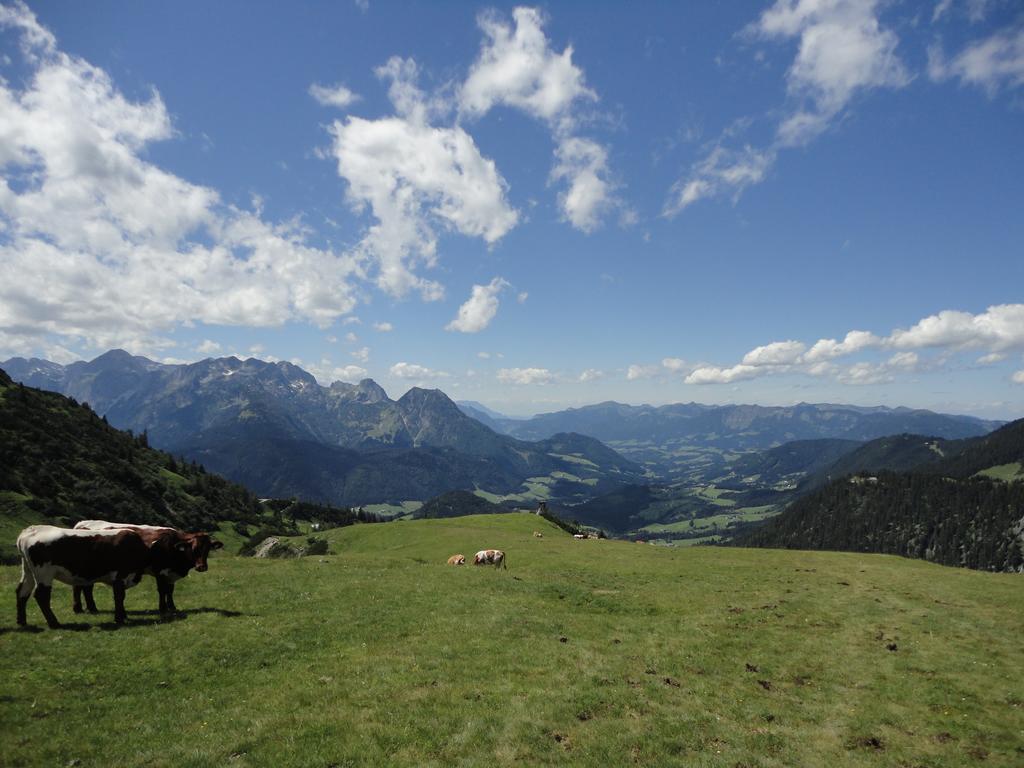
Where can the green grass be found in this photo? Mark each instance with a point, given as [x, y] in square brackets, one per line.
[379, 654]
[402, 508]
[1005, 472]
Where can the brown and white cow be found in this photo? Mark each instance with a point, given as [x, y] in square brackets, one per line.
[493, 557]
[174, 554]
[79, 558]
[457, 560]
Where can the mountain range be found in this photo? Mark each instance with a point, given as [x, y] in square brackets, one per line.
[273, 428]
[693, 442]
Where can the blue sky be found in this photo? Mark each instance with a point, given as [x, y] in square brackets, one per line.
[533, 207]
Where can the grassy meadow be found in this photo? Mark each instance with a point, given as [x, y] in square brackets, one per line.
[581, 653]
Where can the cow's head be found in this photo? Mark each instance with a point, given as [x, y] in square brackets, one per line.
[196, 547]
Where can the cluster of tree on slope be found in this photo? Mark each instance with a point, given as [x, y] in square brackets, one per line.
[974, 523]
[939, 510]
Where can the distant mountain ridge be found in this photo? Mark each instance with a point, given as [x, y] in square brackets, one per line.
[744, 427]
[272, 427]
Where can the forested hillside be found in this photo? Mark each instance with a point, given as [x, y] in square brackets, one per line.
[973, 523]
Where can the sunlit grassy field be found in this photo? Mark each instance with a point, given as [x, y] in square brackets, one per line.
[581, 653]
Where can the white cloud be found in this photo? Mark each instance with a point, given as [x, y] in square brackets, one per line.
[383, 327]
[828, 349]
[722, 171]
[484, 355]
[905, 360]
[351, 320]
[776, 353]
[208, 347]
[676, 365]
[416, 178]
[865, 373]
[351, 338]
[414, 371]
[333, 95]
[326, 372]
[1018, 377]
[591, 374]
[998, 329]
[104, 246]
[362, 355]
[584, 165]
[517, 68]
[635, 372]
[991, 359]
[479, 309]
[993, 63]
[843, 50]
[714, 375]
[525, 376]
[522, 297]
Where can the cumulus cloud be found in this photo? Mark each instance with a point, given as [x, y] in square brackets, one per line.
[333, 95]
[416, 178]
[326, 373]
[999, 329]
[383, 327]
[102, 246]
[1018, 377]
[776, 353]
[675, 364]
[843, 50]
[584, 165]
[591, 374]
[827, 349]
[525, 376]
[362, 355]
[522, 296]
[635, 372]
[517, 68]
[479, 309]
[414, 371]
[994, 63]
[208, 347]
[710, 374]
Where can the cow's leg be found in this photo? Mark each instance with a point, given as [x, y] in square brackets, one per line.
[120, 615]
[90, 604]
[43, 592]
[76, 600]
[24, 592]
[166, 588]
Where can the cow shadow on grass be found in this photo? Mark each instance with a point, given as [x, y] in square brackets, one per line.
[141, 618]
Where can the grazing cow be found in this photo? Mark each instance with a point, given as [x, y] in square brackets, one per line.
[538, 535]
[579, 536]
[174, 554]
[79, 558]
[493, 557]
[457, 560]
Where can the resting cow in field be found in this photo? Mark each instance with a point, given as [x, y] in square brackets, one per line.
[493, 557]
[115, 557]
[174, 554]
[457, 560]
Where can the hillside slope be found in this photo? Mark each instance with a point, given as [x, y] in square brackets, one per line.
[60, 463]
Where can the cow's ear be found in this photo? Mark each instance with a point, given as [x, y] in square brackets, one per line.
[183, 546]
[216, 544]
